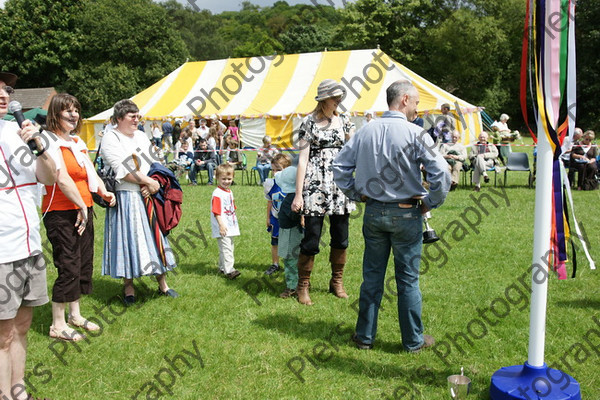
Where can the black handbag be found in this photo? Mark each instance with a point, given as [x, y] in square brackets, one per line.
[107, 175]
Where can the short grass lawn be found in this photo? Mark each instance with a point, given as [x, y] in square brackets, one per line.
[237, 339]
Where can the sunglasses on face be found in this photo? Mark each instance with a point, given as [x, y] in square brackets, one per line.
[9, 90]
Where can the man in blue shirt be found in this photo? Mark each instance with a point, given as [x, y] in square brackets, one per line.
[167, 136]
[386, 157]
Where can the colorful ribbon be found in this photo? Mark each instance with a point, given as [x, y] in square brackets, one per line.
[548, 64]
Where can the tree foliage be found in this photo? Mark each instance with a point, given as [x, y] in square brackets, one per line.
[105, 50]
[39, 39]
[587, 16]
[98, 50]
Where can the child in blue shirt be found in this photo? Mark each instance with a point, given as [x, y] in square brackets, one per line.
[291, 231]
[274, 196]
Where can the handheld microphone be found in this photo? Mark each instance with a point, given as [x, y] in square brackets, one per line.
[14, 107]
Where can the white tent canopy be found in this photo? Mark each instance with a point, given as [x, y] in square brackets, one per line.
[270, 94]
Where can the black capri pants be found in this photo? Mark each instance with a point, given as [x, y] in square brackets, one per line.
[73, 254]
[313, 225]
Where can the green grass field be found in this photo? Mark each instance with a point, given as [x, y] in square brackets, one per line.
[238, 340]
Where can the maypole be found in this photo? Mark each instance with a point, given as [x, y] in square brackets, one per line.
[548, 55]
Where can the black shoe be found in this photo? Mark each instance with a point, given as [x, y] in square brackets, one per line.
[272, 269]
[486, 179]
[129, 300]
[360, 345]
[233, 275]
[428, 341]
[168, 293]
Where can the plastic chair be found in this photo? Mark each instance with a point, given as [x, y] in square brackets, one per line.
[200, 177]
[245, 171]
[254, 170]
[518, 162]
[464, 170]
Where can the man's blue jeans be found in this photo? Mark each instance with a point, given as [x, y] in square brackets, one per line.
[263, 171]
[209, 166]
[387, 227]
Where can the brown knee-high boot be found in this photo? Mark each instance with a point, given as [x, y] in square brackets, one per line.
[338, 260]
[305, 266]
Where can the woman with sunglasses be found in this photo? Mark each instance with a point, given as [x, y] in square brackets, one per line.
[130, 250]
[321, 136]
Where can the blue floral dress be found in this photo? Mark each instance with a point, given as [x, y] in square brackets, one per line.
[321, 194]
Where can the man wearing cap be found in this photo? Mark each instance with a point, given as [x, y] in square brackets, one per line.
[22, 266]
[386, 157]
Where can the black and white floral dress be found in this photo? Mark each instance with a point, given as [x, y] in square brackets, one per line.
[321, 194]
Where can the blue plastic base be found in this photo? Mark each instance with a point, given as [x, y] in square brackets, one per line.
[525, 382]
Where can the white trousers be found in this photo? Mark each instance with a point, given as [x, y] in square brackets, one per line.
[480, 166]
[226, 259]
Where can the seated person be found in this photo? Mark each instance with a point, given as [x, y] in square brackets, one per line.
[583, 160]
[567, 146]
[234, 156]
[483, 156]
[184, 160]
[264, 157]
[204, 159]
[455, 154]
[504, 136]
[185, 157]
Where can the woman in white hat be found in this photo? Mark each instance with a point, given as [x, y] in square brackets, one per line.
[321, 136]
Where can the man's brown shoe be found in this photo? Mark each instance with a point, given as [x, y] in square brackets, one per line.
[428, 341]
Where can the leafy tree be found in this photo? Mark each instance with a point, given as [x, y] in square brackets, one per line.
[129, 45]
[199, 31]
[38, 39]
[398, 27]
[478, 76]
[305, 39]
[98, 50]
[470, 48]
[587, 15]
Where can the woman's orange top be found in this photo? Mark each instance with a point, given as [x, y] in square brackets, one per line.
[79, 176]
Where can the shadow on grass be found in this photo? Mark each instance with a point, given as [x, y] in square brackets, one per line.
[579, 303]
[406, 374]
[107, 291]
[197, 268]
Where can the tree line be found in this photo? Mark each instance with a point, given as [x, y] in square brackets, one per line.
[105, 50]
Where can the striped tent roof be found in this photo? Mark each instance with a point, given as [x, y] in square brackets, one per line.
[281, 85]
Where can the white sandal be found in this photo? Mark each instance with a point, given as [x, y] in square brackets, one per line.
[68, 334]
[83, 323]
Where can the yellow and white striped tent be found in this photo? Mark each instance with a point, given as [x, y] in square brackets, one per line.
[271, 94]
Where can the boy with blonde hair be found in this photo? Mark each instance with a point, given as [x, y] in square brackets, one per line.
[223, 220]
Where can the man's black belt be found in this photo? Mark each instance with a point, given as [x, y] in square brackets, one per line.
[414, 202]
